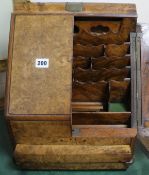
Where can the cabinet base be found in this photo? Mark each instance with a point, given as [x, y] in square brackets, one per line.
[73, 157]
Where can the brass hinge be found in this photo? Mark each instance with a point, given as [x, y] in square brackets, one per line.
[74, 7]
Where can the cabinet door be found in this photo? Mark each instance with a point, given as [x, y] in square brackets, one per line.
[40, 65]
[143, 131]
[145, 73]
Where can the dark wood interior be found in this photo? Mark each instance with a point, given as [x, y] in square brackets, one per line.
[101, 90]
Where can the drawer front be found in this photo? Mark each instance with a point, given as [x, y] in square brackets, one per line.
[39, 131]
[72, 156]
[60, 133]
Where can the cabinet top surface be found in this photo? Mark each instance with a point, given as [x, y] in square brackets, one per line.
[97, 9]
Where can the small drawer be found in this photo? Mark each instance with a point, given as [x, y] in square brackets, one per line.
[39, 132]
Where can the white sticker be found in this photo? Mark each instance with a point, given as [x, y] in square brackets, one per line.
[42, 63]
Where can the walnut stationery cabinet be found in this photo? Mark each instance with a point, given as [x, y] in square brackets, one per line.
[73, 90]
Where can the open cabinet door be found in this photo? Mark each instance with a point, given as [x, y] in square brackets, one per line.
[144, 127]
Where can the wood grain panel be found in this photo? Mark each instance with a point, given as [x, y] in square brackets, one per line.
[98, 118]
[101, 75]
[119, 91]
[89, 92]
[71, 140]
[109, 62]
[117, 50]
[81, 62]
[98, 26]
[41, 91]
[107, 132]
[56, 133]
[39, 129]
[98, 126]
[127, 25]
[87, 106]
[72, 153]
[102, 9]
[88, 50]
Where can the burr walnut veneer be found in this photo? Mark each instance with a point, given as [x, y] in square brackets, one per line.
[76, 110]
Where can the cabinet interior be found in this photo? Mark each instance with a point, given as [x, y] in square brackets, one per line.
[101, 76]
